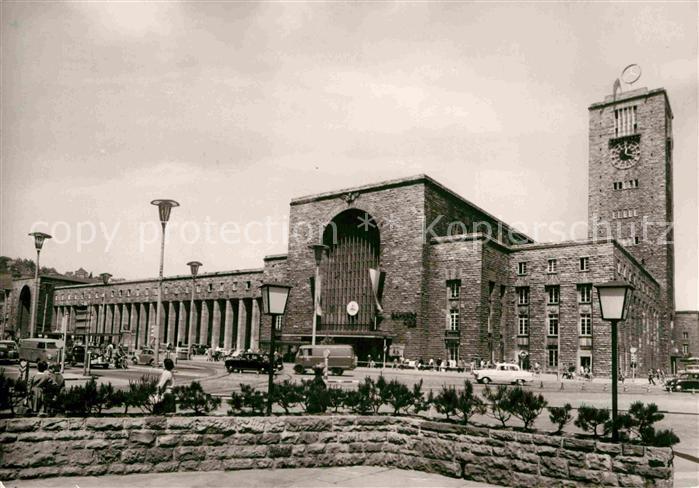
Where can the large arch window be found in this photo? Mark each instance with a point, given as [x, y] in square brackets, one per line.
[354, 247]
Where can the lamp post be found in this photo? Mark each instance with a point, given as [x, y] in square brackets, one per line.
[318, 251]
[613, 301]
[274, 298]
[164, 208]
[194, 269]
[103, 312]
[39, 238]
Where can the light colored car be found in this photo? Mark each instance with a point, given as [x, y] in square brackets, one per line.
[182, 352]
[507, 373]
[144, 356]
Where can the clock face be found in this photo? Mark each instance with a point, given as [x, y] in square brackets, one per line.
[625, 154]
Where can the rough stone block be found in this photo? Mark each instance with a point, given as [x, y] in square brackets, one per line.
[168, 440]
[578, 444]
[133, 456]
[631, 480]
[159, 454]
[97, 444]
[166, 467]
[608, 448]
[181, 423]
[189, 453]
[146, 437]
[138, 468]
[659, 456]
[21, 425]
[269, 438]
[39, 472]
[104, 423]
[279, 451]
[554, 467]
[313, 424]
[546, 440]
[632, 450]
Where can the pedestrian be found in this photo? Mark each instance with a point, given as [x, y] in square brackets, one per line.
[166, 400]
[37, 384]
[651, 381]
[430, 363]
[209, 354]
[369, 361]
[620, 375]
[57, 377]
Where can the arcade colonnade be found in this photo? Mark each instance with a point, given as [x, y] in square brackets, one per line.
[230, 323]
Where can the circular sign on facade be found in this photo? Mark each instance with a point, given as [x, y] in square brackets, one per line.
[632, 350]
[352, 308]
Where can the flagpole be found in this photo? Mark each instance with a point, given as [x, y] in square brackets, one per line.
[318, 251]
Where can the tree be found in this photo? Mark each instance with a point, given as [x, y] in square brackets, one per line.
[287, 395]
[499, 403]
[398, 396]
[193, 397]
[560, 416]
[590, 418]
[468, 404]
[446, 400]
[526, 405]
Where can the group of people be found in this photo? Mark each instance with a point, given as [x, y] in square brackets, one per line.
[656, 375]
[47, 380]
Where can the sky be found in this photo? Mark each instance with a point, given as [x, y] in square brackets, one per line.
[234, 108]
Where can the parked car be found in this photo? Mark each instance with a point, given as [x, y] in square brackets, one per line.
[35, 350]
[9, 351]
[144, 356]
[340, 358]
[508, 373]
[683, 382]
[76, 355]
[251, 361]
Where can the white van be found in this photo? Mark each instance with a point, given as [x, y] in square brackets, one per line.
[35, 350]
[340, 358]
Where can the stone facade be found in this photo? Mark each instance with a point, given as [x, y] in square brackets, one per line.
[685, 338]
[35, 448]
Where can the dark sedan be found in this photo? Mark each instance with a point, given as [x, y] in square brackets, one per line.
[251, 361]
[9, 351]
[684, 382]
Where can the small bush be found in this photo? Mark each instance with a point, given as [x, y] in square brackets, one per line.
[314, 395]
[287, 395]
[141, 394]
[591, 418]
[248, 400]
[419, 401]
[361, 400]
[398, 396]
[499, 403]
[640, 420]
[445, 401]
[560, 416]
[526, 405]
[336, 398]
[12, 392]
[193, 397]
[463, 403]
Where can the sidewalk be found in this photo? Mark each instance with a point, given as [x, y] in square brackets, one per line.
[349, 477]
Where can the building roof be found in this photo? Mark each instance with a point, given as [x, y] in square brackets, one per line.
[632, 95]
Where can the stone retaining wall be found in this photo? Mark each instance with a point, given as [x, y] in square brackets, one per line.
[32, 448]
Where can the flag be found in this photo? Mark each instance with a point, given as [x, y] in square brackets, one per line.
[315, 295]
[376, 277]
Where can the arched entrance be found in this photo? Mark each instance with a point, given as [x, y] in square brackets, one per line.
[24, 312]
[354, 243]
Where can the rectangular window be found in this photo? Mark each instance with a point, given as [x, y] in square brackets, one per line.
[685, 335]
[685, 349]
[247, 285]
[454, 288]
[522, 268]
[454, 320]
[453, 351]
[552, 294]
[584, 264]
[552, 320]
[636, 240]
[278, 322]
[523, 295]
[585, 324]
[523, 324]
[584, 293]
[625, 121]
[552, 357]
[552, 266]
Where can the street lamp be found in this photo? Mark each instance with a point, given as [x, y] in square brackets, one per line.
[39, 238]
[274, 298]
[103, 313]
[318, 251]
[164, 208]
[613, 302]
[194, 269]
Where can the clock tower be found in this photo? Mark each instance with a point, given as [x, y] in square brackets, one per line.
[630, 185]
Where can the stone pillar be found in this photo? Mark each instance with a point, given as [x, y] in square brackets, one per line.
[116, 328]
[161, 325]
[228, 327]
[133, 317]
[216, 329]
[59, 315]
[181, 325]
[193, 322]
[124, 325]
[242, 317]
[150, 337]
[204, 325]
[255, 326]
[142, 326]
[171, 324]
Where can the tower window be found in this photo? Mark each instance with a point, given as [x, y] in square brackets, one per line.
[685, 335]
[552, 266]
[584, 293]
[523, 295]
[523, 324]
[584, 264]
[453, 351]
[454, 320]
[625, 121]
[553, 324]
[552, 294]
[522, 268]
[553, 356]
[585, 324]
[454, 287]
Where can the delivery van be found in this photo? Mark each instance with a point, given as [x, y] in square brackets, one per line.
[35, 350]
[340, 358]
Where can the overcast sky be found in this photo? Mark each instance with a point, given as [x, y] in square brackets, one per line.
[235, 108]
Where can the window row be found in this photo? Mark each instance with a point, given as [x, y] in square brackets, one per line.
[553, 294]
[552, 265]
[624, 213]
[630, 241]
[625, 185]
[149, 291]
[552, 324]
[625, 121]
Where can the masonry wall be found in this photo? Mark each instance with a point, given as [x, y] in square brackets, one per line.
[686, 331]
[34, 448]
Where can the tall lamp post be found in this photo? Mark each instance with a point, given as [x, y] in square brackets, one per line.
[194, 269]
[274, 298]
[103, 312]
[614, 301]
[318, 251]
[39, 238]
[164, 208]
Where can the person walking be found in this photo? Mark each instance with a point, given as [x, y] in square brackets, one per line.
[37, 384]
[651, 380]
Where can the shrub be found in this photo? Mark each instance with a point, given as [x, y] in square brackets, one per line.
[287, 395]
[560, 416]
[526, 405]
[499, 403]
[336, 398]
[398, 396]
[361, 400]
[464, 403]
[141, 394]
[640, 421]
[193, 397]
[419, 402]
[12, 392]
[445, 401]
[590, 418]
[248, 398]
